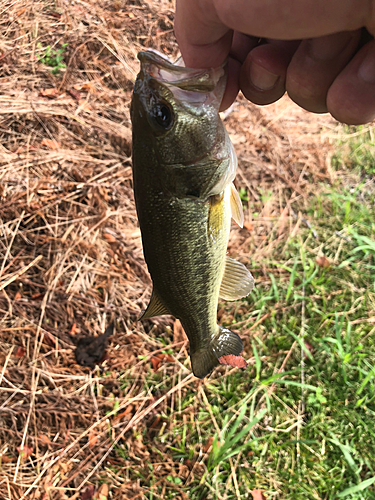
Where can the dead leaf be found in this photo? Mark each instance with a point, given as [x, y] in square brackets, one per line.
[54, 14]
[50, 339]
[178, 332]
[102, 493]
[50, 143]
[322, 261]
[93, 439]
[74, 329]
[109, 237]
[88, 86]
[248, 226]
[156, 424]
[123, 414]
[44, 439]
[35, 206]
[48, 93]
[88, 493]
[309, 347]
[83, 104]
[208, 444]
[156, 361]
[64, 468]
[23, 149]
[258, 495]
[25, 451]
[77, 175]
[77, 96]
[20, 352]
[17, 296]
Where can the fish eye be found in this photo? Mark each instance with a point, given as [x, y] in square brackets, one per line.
[162, 116]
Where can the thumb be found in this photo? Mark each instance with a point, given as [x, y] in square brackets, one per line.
[203, 39]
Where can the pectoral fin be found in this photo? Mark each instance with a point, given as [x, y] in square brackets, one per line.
[230, 174]
[237, 281]
[154, 308]
[236, 206]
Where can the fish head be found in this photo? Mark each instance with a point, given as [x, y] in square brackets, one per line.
[175, 110]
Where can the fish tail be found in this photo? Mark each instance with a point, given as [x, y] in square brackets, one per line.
[224, 348]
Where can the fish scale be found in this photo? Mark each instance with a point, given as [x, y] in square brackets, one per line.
[179, 241]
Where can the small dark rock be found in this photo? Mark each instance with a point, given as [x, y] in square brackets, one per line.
[90, 350]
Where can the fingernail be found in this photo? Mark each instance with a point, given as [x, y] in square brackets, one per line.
[261, 78]
[327, 47]
[367, 68]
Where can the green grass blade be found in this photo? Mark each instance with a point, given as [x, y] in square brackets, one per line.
[355, 489]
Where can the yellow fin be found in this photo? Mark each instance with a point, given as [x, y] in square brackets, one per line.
[236, 206]
[237, 281]
[154, 308]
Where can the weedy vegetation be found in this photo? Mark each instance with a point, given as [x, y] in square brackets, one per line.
[298, 423]
[53, 57]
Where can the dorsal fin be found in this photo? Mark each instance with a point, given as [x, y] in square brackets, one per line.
[236, 206]
[154, 308]
[237, 281]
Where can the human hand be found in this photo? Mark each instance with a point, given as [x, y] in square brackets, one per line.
[322, 52]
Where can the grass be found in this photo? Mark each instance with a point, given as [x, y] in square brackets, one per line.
[299, 423]
[359, 147]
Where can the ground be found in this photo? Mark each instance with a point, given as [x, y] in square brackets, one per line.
[298, 422]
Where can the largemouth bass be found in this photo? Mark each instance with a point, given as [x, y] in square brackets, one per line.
[183, 167]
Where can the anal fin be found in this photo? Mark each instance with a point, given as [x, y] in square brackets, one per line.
[154, 308]
[237, 281]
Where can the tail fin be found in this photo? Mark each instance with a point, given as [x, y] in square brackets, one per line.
[224, 348]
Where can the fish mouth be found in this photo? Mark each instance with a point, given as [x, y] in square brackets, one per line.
[177, 76]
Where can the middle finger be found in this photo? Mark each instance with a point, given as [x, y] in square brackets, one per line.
[315, 65]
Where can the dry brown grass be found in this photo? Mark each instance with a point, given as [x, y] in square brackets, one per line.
[70, 251]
